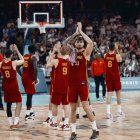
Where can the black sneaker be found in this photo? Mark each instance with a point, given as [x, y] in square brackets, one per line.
[73, 136]
[94, 135]
[85, 116]
[32, 114]
[77, 116]
[28, 117]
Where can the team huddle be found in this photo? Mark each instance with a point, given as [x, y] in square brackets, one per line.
[69, 81]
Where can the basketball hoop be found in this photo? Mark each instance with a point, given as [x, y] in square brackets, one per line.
[41, 26]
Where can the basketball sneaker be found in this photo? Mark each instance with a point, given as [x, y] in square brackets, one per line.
[94, 135]
[11, 126]
[53, 125]
[121, 114]
[109, 116]
[73, 136]
[32, 114]
[47, 121]
[28, 117]
[64, 127]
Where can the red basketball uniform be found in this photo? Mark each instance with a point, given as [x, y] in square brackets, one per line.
[52, 77]
[112, 73]
[28, 76]
[78, 80]
[11, 89]
[60, 82]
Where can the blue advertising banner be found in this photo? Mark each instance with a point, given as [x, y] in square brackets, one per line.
[128, 83]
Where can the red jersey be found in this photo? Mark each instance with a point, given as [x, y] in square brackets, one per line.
[61, 73]
[28, 69]
[98, 67]
[8, 72]
[78, 71]
[112, 68]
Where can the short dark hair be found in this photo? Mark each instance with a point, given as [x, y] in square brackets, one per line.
[8, 53]
[79, 38]
[32, 49]
[111, 46]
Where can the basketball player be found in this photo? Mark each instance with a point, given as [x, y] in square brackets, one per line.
[60, 87]
[113, 77]
[29, 80]
[11, 89]
[78, 82]
[55, 53]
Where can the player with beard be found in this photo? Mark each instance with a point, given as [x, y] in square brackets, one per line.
[78, 81]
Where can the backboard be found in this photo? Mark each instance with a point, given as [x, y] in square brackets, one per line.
[33, 13]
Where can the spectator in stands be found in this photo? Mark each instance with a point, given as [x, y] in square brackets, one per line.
[126, 69]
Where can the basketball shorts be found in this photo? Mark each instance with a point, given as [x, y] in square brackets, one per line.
[113, 86]
[58, 98]
[81, 90]
[11, 92]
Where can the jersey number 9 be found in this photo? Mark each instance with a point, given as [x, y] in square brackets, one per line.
[64, 70]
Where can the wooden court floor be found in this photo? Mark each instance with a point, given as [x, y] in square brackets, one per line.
[115, 129]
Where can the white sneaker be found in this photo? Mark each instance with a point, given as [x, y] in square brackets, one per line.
[47, 121]
[121, 114]
[64, 127]
[109, 116]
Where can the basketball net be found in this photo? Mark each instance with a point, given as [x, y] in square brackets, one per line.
[41, 26]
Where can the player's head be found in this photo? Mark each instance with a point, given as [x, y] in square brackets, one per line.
[65, 50]
[32, 49]
[57, 44]
[79, 42]
[8, 54]
[111, 46]
[97, 55]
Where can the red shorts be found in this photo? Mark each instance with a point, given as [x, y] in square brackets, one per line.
[29, 85]
[11, 92]
[81, 90]
[58, 98]
[113, 86]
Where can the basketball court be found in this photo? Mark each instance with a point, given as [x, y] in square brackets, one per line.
[115, 129]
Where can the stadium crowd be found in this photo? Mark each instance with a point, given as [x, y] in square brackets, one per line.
[100, 30]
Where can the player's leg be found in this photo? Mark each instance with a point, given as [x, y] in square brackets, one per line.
[66, 107]
[73, 121]
[9, 114]
[17, 114]
[28, 107]
[83, 93]
[1, 104]
[78, 109]
[119, 109]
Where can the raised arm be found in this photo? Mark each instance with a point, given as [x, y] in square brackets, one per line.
[51, 62]
[70, 39]
[21, 59]
[118, 56]
[89, 47]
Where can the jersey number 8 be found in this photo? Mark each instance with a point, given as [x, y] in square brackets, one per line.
[7, 74]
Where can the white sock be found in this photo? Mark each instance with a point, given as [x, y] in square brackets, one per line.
[73, 127]
[50, 114]
[63, 114]
[119, 109]
[94, 126]
[108, 109]
[66, 121]
[31, 110]
[16, 120]
[54, 120]
[27, 112]
[10, 120]
[77, 110]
